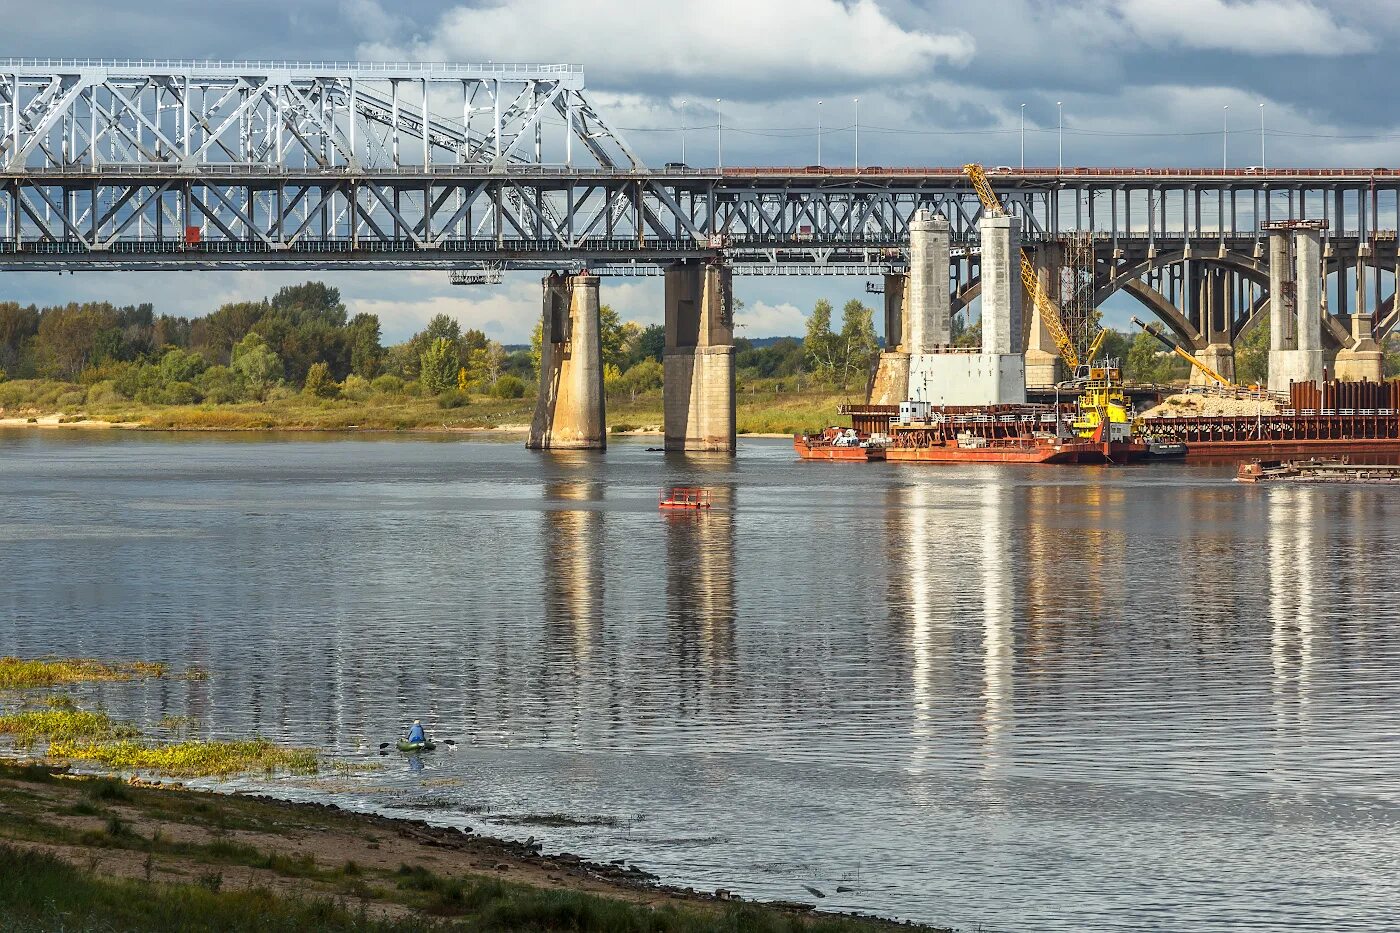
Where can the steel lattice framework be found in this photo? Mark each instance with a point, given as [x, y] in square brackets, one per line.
[197, 165]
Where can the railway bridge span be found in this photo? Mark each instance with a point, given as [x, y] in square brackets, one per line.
[481, 169]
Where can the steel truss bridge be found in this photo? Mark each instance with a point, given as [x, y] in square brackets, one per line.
[169, 165]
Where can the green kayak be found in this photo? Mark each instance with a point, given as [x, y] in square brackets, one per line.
[407, 746]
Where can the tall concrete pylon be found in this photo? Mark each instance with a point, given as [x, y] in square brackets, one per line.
[698, 397]
[1295, 303]
[928, 301]
[569, 412]
[996, 375]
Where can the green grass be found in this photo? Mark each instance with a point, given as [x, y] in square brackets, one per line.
[764, 406]
[64, 725]
[19, 673]
[39, 892]
[191, 759]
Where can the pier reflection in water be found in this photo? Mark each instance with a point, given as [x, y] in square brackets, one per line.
[996, 696]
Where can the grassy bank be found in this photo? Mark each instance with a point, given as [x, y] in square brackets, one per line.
[763, 407]
[92, 853]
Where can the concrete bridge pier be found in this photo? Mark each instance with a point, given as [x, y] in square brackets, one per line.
[698, 397]
[569, 413]
[996, 375]
[1214, 322]
[1362, 359]
[891, 383]
[1295, 286]
[1042, 356]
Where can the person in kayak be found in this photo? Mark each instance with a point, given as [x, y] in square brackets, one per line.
[415, 734]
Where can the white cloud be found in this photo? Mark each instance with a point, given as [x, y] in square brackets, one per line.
[760, 319]
[1257, 27]
[759, 41]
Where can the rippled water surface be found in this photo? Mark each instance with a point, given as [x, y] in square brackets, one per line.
[1025, 698]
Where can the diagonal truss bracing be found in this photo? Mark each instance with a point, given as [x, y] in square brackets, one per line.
[78, 114]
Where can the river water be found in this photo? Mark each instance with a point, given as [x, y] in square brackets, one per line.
[1025, 698]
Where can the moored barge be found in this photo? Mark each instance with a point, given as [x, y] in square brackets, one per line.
[1318, 470]
[843, 444]
[1335, 418]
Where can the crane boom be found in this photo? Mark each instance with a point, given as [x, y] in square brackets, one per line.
[1177, 349]
[1049, 313]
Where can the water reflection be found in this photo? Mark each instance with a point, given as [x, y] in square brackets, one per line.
[1293, 531]
[574, 566]
[701, 605]
[998, 600]
[1091, 688]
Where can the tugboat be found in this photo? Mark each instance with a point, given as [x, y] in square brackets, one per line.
[836, 443]
[1104, 415]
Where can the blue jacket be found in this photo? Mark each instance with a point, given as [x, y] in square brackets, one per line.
[416, 733]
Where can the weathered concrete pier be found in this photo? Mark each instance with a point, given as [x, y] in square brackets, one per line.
[569, 411]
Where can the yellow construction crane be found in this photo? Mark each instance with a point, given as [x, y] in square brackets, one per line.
[1049, 313]
[1156, 331]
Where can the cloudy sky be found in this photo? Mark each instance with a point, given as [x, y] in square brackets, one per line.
[940, 82]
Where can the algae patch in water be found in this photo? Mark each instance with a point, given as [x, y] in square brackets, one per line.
[62, 723]
[21, 673]
[191, 759]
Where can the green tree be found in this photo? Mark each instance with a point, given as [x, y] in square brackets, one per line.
[228, 325]
[857, 344]
[255, 364]
[1144, 360]
[1252, 355]
[366, 353]
[537, 347]
[819, 344]
[310, 302]
[438, 367]
[178, 365]
[612, 333]
[651, 344]
[319, 381]
[966, 335]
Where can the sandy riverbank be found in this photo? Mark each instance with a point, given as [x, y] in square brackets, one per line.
[166, 838]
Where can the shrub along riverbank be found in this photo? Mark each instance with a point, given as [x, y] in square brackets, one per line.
[767, 406]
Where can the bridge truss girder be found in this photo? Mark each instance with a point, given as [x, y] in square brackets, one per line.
[193, 116]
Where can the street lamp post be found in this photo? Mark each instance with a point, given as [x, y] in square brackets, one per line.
[1023, 137]
[682, 131]
[1262, 163]
[719, 136]
[1060, 119]
[819, 132]
[1225, 141]
[857, 101]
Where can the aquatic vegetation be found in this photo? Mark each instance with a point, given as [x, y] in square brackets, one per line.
[20, 673]
[191, 759]
[62, 723]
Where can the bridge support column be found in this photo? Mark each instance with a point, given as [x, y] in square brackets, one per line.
[891, 383]
[698, 398]
[997, 375]
[1215, 316]
[1363, 360]
[1302, 362]
[569, 413]
[1042, 356]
